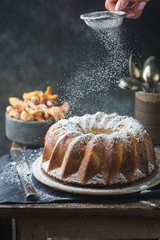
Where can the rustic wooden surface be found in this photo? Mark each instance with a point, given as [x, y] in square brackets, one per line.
[128, 218]
[88, 227]
[107, 208]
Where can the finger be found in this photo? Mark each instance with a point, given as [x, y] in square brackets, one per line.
[110, 5]
[139, 6]
[133, 15]
[136, 10]
[130, 14]
[122, 4]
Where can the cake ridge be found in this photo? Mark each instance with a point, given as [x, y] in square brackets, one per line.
[61, 145]
[82, 141]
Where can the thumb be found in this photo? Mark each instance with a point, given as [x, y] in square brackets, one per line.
[121, 4]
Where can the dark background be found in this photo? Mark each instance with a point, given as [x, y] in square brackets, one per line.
[44, 42]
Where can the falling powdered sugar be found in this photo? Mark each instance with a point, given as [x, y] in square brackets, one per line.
[99, 67]
[118, 51]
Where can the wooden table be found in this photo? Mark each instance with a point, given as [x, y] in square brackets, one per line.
[110, 219]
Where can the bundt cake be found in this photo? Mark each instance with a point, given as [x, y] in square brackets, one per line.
[98, 150]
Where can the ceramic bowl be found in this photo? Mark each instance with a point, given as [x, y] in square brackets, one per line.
[27, 133]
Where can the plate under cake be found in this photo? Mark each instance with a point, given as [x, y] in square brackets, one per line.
[44, 178]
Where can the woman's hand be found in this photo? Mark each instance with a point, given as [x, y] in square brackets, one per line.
[133, 11]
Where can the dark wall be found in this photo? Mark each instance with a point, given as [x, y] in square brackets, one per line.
[44, 42]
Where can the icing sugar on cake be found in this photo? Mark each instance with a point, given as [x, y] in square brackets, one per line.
[98, 150]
